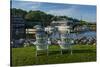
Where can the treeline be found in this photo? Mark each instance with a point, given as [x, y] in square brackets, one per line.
[39, 17]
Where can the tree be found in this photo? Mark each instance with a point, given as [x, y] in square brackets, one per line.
[83, 22]
[35, 16]
[18, 12]
[39, 16]
[76, 20]
[48, 19]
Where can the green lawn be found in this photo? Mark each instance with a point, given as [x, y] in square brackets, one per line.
[26, 55]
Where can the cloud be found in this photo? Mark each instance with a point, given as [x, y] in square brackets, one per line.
[26, 5]
[66, 11]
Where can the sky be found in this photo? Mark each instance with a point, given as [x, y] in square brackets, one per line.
[84, 12]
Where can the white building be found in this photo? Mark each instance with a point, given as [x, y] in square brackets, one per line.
[63, 25]
[30, 33]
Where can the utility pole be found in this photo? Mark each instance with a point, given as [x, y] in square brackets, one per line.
[42, 20]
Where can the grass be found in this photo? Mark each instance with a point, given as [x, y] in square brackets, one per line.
[26, 55]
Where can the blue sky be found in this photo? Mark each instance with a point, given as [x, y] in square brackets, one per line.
[87, 12]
